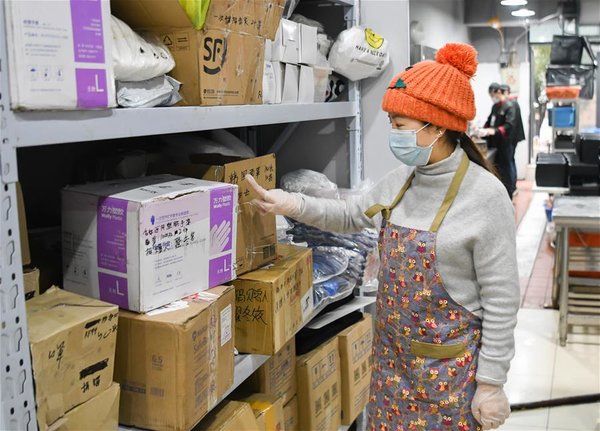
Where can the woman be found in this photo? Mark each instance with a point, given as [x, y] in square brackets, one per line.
[449, 291]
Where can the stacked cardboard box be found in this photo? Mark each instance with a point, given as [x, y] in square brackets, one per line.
[268, 411]
[220, 61]
[319, 386]
[175, 363]
[230, 416]
[273, 303]
[290, 415]
[72, 340]
[256, 234]
[277, 377]
[355, 355]
[145, 242]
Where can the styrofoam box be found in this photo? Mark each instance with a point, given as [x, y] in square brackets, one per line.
[144, 243]
[60, 54]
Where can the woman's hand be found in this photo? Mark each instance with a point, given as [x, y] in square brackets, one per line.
[275, 201]
[490, 406]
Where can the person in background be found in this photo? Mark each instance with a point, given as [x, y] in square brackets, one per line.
[503, 131]
[448, 293]
[519, 131]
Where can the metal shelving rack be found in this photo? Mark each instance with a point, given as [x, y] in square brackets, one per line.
[28, 129]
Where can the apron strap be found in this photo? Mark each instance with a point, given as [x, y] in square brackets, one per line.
[386, 211]
[451, 193]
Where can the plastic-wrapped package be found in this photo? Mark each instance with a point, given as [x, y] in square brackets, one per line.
[160, 91]
[138, 58]
[361, 249]
[328, 262]
[332, 290]
[310, 183]
[359, 53]
[179, 147]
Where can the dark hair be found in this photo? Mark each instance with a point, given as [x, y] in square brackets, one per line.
[505, 88]
[471, 149]
[494, 86]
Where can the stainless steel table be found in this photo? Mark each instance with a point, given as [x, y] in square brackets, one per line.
[572, 212]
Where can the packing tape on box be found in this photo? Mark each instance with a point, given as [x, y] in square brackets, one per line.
[212, 359]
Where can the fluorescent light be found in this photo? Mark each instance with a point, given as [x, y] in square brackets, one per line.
[513, 2]
[523, 13]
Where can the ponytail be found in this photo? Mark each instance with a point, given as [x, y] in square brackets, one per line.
[472, 150]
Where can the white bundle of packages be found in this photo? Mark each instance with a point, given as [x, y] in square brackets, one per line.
[359, 53]
[138, 58]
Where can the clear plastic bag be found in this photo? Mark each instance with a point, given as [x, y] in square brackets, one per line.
[332, 290]
[310, 183]
[159, 91]
[328, 262]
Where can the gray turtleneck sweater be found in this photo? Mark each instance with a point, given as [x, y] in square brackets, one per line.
[475, 244]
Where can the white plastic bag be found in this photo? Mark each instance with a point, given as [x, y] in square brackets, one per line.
[159, 91]
[310, 183]
[359, 53]
[138, 58]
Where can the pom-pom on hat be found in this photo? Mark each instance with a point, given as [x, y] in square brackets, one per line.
[437, 92]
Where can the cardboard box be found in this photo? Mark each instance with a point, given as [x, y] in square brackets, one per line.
[230, 416]
[98, 413]
[319, 386]
[308, 44]
[72, 340]
[256, 234]
[291, 84]
[286, 46]
[277, 376]
[356, 343]
[272, 304]
[31, 282]
[290, 415]
[60, 54]
[146, 242]
[23, 231]
[223, 63]
[175, 363]
[306, 86]
[268, 411]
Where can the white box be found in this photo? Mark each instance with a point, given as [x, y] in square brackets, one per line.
[279, 72]
[291, 84]
[269, 88]
[60, 54]
[306, 86]
[308, 45]
[268, 50]
[144, 243]
[286, 47]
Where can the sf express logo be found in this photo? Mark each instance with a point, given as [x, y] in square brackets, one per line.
[215, 55]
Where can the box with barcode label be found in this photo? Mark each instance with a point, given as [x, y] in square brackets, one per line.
[356, 345]
[273, 303]
[174, 363]
[145, 242]
[319, 385]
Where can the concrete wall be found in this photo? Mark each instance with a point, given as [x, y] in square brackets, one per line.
[443, 21]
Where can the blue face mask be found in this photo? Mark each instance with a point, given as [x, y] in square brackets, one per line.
[403, 144]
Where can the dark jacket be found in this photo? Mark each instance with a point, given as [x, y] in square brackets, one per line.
[506, 119]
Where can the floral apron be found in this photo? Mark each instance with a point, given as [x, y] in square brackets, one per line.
[426, 345]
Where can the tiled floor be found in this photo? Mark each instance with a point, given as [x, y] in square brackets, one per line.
[543, 370]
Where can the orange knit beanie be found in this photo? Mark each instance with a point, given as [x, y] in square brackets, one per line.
[437, 92]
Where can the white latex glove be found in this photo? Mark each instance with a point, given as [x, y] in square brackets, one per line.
[219, 237]
[490, 406]
[275, 201]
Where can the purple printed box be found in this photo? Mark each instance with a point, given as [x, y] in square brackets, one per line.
[144, 243]
[60, 54]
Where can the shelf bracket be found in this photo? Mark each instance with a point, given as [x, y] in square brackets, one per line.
[289, 130]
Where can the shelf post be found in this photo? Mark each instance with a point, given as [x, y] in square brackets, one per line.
[17, 410]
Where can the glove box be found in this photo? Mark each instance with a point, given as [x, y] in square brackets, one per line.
[551, 170]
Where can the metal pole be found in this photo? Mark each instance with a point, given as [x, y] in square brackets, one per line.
[564, 287]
